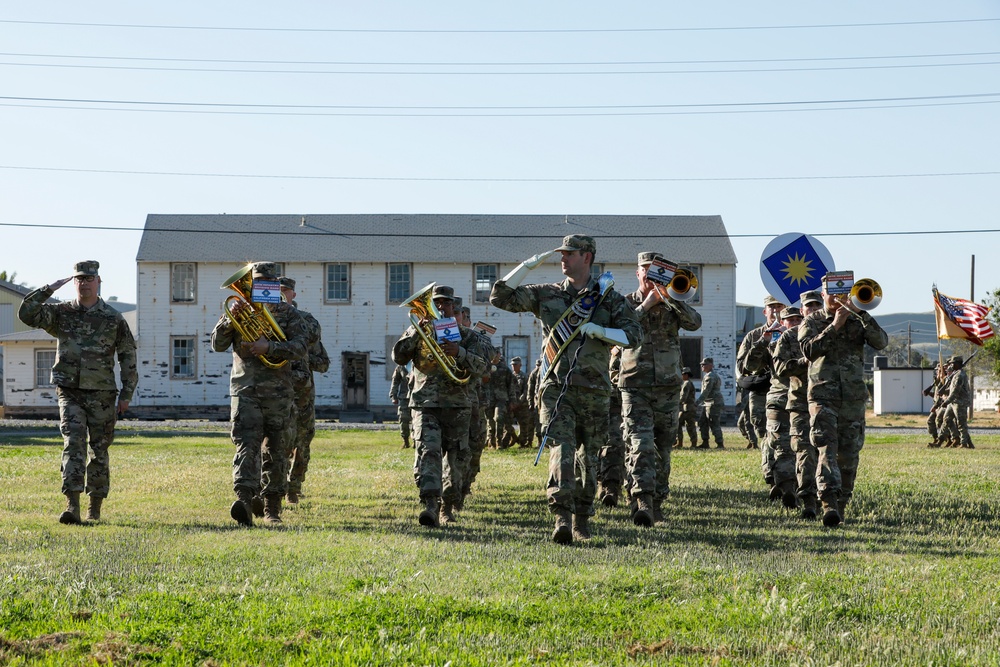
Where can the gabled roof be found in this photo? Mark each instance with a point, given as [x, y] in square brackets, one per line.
[432, 238]
[12, 287]
[31, 334]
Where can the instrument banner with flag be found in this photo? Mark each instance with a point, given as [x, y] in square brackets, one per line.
[661, 271]
[794, 263]
[959, 318]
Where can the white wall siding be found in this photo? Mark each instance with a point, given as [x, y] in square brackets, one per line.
[19, 376]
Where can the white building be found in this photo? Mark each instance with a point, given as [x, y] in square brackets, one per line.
[353, 271]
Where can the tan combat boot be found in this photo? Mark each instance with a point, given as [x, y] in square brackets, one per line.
[563, 533]
[94, 511]
[581, 527]
[831, 515]
[257, 506]
[241, 510]
[808, 508]
[643, 511]
[293, 497]
[658, 516]
[272, 508]
[447, 514]
[429, 516]
[71, 515]
[788, 496]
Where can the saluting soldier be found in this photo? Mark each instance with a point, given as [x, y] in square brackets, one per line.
[442, 410]
[711, 403]
[650, 381]
[833, 340]
[688, 416]
[573, 406]
[303, 422]
[89, 334]
[262, 399]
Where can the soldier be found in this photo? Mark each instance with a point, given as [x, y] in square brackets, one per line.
[793, 367]
[500, 381]
[533, 379]
[958, 398]
[934, 418]
[477, 421]
[489, 401]
[573, 406]
[89, 334]
[743, 421]
[650, 381]
[518, 402]
[761, 359]
[711, 403]
[442, 410]
[262, 399]
[757, 383]
[399, 394]
[833, 340]
[611, 460]
[688, 416]
[303, 421]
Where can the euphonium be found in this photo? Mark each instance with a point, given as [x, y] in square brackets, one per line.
[254, 322]
[866, 294]
[429, 351]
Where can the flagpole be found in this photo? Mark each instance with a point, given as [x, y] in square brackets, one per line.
[968, 345]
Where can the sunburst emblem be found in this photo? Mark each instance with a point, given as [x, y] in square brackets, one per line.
[797, 269]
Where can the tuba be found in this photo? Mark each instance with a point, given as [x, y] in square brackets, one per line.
[255, 322]
[429, 352]
[866, 294]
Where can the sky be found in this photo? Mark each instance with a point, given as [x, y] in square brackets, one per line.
[870, 126]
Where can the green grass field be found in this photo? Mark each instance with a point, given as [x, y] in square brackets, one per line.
[352, 579]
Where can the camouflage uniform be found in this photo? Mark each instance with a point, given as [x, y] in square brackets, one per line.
[261, 404]
[837, 399]
[519, 410]
[489, 406]
[756, 385]
[791, 366]
[711, 403]
[399, 393]
[442, 411]
[87, 341]
[958, 399]
[611, 460]
[500, 382]
[303, 422]
[778, 467]
[934, 418]
[743, 421]
[477, 423]
[688, 416]
[533, 379]
[578, 430]
[650, 381]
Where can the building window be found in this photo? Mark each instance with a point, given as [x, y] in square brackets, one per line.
[485, 275]
[691, 351]
[338, 283]
[279, 267]
[183, 282]
[182, 357]
[44, 361]
[400, 287]
[518, 346]
[696, 270]
[596, 270]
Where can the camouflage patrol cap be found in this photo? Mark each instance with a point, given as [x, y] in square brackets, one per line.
[812, 296]
[458, 302]
[265, 270]
[443, 292]
[515, 360]
[579, 242]
[790, 312]
[957, 360]
[771, 301]
[285, 281]
[707, 360]
[686, 370]
[646, 258]
[86, 268]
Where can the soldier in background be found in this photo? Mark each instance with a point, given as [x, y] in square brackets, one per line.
[490, 404]
[500, 384]
[303, 421]
[611, 461]
[477, 421]
[711, 403]
[89, 334]
[442, 410]
[399, 394]
[743, 421]
[519, 410]
[757, 384]
[533, 379]
[262, 400]
[833, 340]
[935, 421]
[791, 365]
[688, 415]
[577, 429]
[958, 399]
[650, 381]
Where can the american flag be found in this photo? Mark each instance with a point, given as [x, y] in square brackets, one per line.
[970, 317]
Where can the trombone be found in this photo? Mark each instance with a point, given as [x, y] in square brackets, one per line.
[866, 294]
[682, 287]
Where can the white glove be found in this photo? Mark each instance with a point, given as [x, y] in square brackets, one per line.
[611, 336]
[515, 277]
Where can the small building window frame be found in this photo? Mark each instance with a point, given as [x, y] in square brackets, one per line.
[483, 277]
[183, 357]
[398, 282]
[337, 288]
[184, 282]
[45, 359]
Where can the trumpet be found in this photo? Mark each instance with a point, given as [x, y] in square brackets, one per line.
[429, 352]
[682, 287]
[256, 320]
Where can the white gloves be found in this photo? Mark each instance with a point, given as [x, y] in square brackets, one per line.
[515, 277]
[611, 336]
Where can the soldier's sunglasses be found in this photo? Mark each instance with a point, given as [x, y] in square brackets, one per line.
[84, 279]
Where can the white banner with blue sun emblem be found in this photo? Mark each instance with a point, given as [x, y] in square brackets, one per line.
[794, 263]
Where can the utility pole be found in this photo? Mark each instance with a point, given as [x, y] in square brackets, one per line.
[909, 344]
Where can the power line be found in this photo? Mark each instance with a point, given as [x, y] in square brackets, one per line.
[500, 32]
[714, 179]
[497, 236]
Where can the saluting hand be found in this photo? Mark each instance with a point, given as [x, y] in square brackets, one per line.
[535, 260]
[59, 283]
